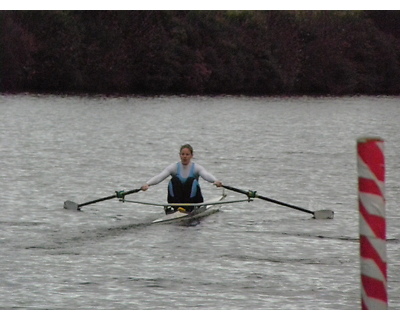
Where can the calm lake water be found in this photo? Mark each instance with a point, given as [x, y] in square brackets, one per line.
[256, 255]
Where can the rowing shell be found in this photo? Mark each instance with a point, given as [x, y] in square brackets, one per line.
[196, 214]
[201, 209]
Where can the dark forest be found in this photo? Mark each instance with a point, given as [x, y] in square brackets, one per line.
[201, 52]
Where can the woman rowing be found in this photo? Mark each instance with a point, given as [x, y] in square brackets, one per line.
[184, 185]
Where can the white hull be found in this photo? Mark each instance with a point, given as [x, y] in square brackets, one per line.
[196, 214]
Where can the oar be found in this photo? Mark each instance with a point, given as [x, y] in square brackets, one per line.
[70, 205]
[320, 214]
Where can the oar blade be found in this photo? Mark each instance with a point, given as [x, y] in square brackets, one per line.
[323, 214]
[70, 205]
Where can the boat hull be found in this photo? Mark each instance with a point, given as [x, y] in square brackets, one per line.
[195, 215]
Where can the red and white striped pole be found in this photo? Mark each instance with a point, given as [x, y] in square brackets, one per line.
[371, 201]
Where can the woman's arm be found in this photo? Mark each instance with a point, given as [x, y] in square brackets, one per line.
[171, 169]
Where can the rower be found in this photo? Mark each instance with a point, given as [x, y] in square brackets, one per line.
[184, 185]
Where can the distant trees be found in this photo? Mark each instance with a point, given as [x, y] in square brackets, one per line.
[200, 52]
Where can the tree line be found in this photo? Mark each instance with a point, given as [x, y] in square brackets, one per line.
[201, 52]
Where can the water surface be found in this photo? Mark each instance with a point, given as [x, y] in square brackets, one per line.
[255, 255]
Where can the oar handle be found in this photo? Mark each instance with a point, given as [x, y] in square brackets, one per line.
[132, 191]
[247, 193]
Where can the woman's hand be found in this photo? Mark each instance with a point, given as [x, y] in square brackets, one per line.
[218, 184]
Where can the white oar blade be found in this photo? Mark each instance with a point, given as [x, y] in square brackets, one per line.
[323, 214]
[70, 205]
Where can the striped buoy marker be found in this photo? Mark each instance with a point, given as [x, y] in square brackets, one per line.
[372, 223]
